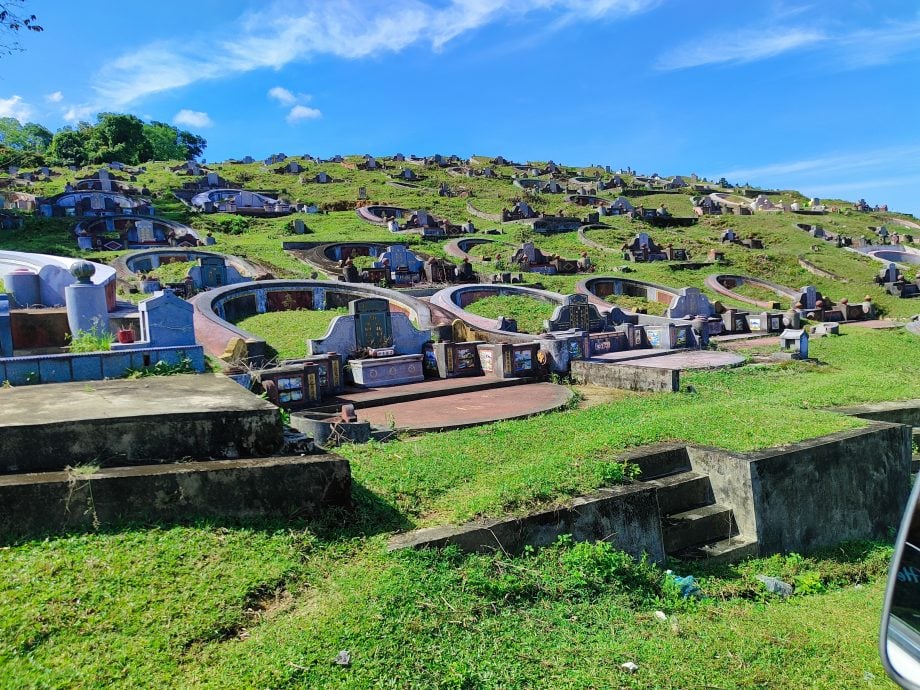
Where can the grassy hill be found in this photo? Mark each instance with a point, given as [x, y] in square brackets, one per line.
[271, 604]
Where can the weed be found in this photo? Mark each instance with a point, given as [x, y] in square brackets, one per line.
[96, 339]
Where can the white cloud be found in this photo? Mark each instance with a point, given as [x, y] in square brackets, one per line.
[861, 48]
[15, 107]
[55, 97]
[282, 95]
[302, 112]
[192, 118]
[284, 32]
[76, 113]
[738, 47]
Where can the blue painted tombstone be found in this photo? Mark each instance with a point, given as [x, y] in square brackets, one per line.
[167, 320]
[213, 271]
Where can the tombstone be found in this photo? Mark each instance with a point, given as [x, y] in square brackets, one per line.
[213, 180]
[422, 218]
[888, 275]
[145, 232]
[809, 297]
[298, 226]
[690, 302]
[213, 271]
[373, 324]
[393, 225]
[362, 193]
[794, 344]
[575, 313]
[728, 236]
[167, 320]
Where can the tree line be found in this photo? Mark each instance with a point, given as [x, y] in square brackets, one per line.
[114, 137]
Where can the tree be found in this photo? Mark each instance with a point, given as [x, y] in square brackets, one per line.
[164, 142]
[68, 147]
[28, 137]
[193, 143]
[118, 137]
[171, 143]
[13, 21]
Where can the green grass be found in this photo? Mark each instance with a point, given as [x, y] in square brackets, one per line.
[287, 332]
[514, 466]
[527, 311]
[173, 272]
[272, 605]
[632, 303]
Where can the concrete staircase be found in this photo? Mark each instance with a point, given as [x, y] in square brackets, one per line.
[693, 525]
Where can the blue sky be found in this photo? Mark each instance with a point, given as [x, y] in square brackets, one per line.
[819, 96]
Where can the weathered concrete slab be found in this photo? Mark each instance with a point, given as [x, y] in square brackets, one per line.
[649, 378]
[690, 359]
[283, 487]
[110, 423]
[625, 516]
[470, 408]
[896, 412]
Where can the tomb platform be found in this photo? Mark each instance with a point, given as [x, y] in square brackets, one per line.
[34, 504]
[465, 408]
[363, 398]
[133, 422]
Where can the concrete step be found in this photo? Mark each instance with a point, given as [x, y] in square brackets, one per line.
[682, 491]
[660, 460]
[697, 526]
[729, 550]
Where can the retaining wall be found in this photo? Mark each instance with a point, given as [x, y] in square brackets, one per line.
[608, 375]
[280, 487]
[625, 516]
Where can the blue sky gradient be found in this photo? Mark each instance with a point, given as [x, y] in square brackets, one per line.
[821, 97]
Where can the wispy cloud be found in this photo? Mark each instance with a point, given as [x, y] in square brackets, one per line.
[837, 164]
[285, 31]
[192, 118]
[16, 108]
[295, 101]
[738, 47]
[282, 95]
[853, 174]
[302, 112]
[55, 97]
[850, 50]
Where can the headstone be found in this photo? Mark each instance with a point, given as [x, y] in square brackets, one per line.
[167, 320]
[362, 193]
[213, 271]
[299, 227]
[373, 326]
[576, 313]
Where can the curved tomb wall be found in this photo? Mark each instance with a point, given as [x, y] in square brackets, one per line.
[217, 309]
[897, 257]
[53, 275]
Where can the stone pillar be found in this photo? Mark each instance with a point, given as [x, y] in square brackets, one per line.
[6, 328]
[24, 287]
[86, 304]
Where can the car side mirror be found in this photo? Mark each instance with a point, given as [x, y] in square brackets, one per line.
[899, 642]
